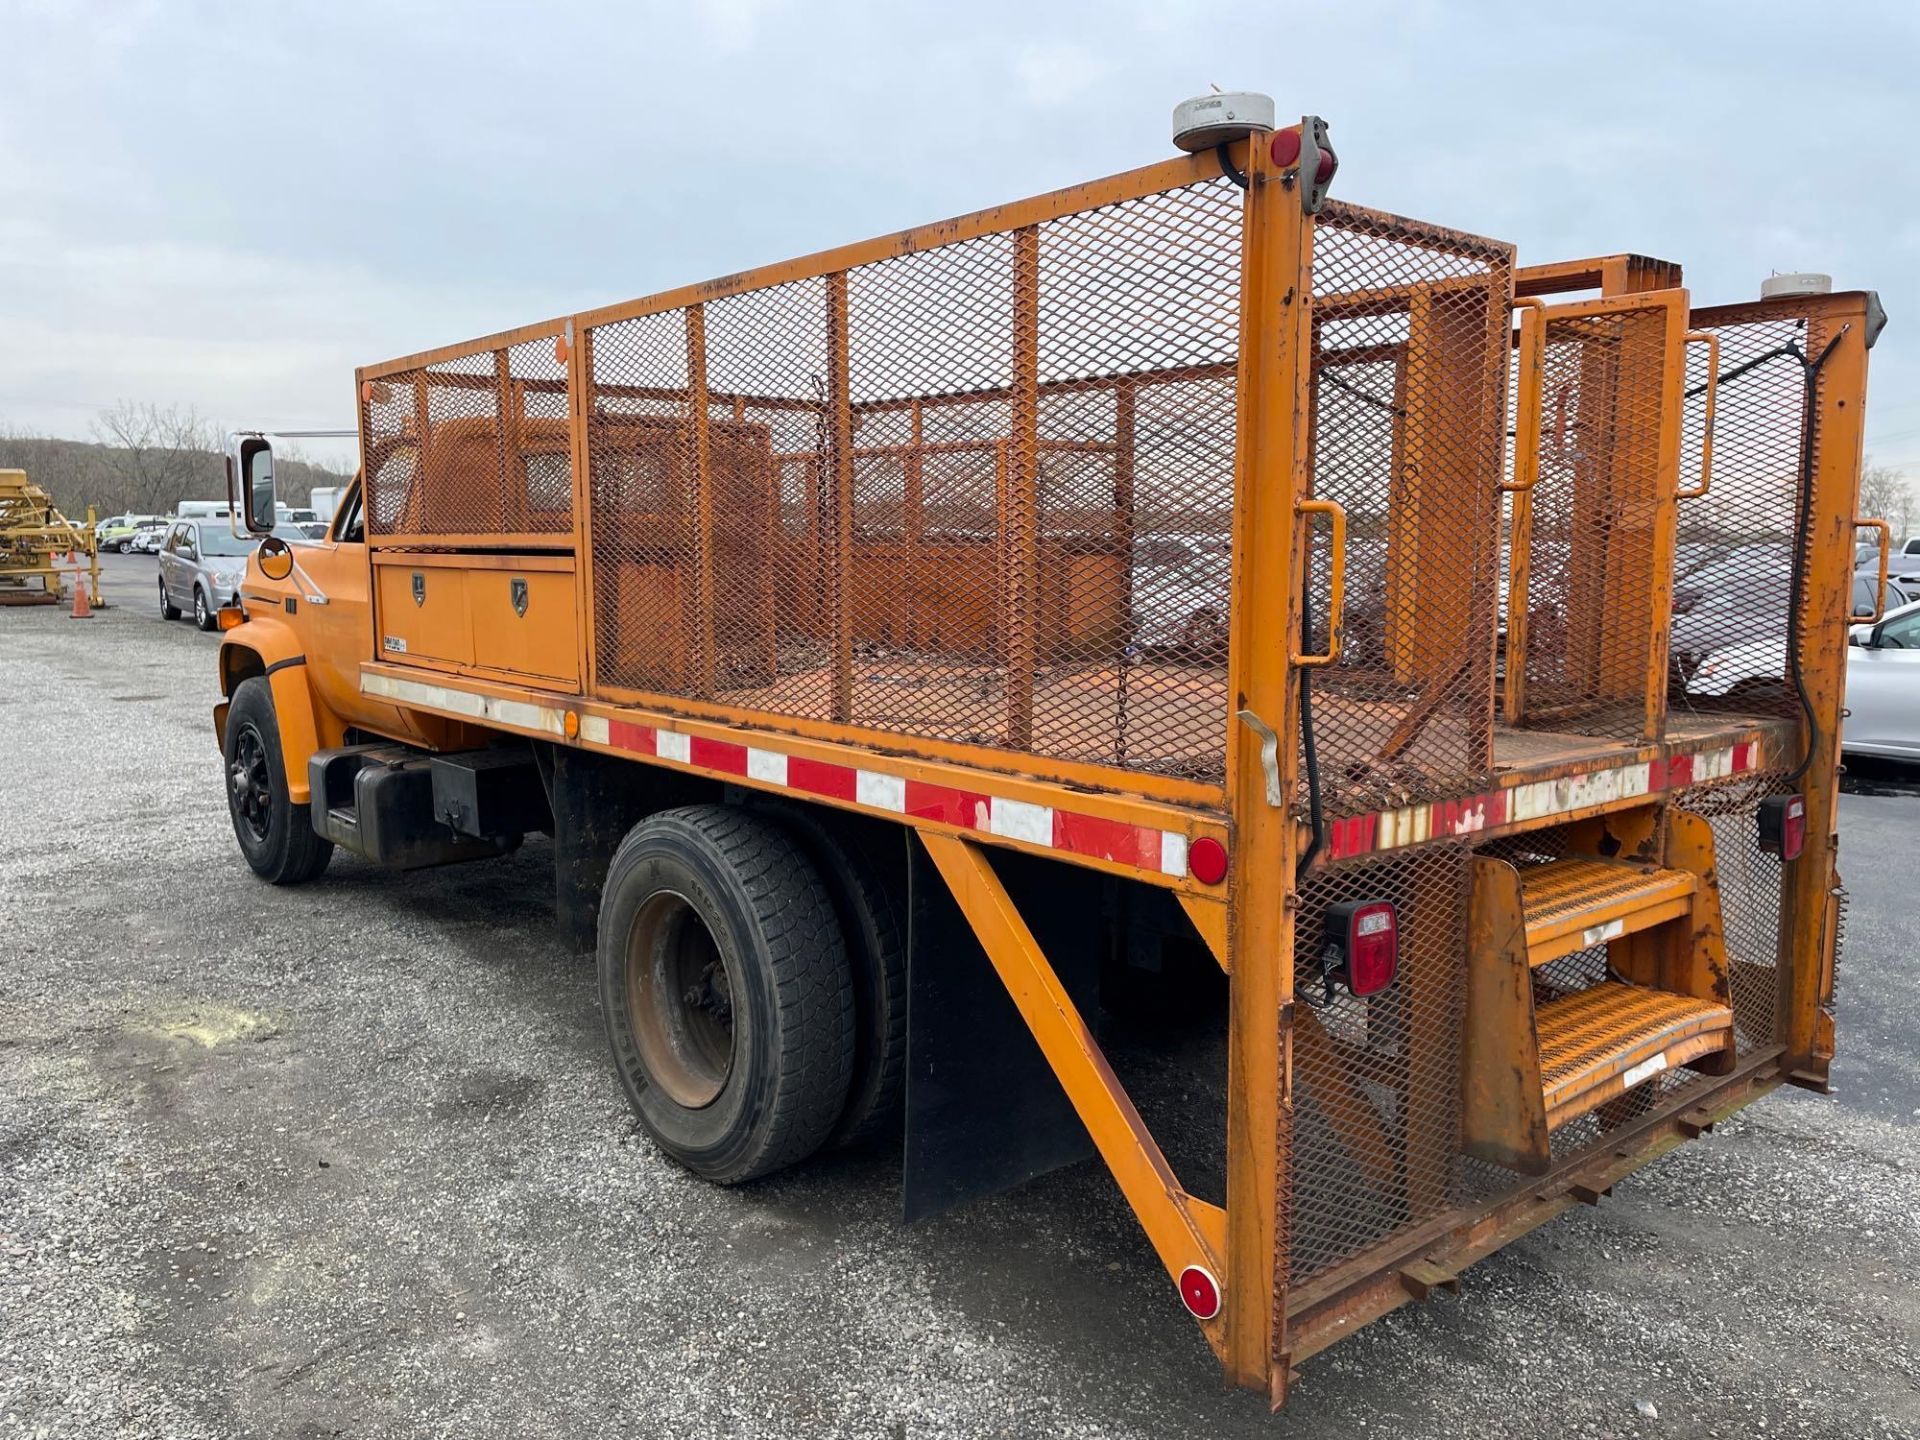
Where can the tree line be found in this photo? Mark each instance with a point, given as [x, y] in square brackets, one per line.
[144, 459]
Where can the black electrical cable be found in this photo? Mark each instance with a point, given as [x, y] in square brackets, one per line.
[1308, 757]
[1227, 167]
[1801, 541]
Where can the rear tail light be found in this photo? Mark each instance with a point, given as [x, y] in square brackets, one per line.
[1783, 825]
[1362, 945]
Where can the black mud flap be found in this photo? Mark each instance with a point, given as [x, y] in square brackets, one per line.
[984, 1110]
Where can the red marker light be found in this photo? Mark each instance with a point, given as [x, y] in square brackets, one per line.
[1285, 146]
[1200, 1292]
[1207, 860]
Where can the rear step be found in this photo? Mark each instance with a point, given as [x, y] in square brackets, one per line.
[1576, 904]
[1538, 1058]
[1596, 1044]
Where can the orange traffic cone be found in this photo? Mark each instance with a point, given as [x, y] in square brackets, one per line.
[82, 605]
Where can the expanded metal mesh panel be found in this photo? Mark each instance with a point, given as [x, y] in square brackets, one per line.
[1733, 558]
[1376, 1114]
[477, 445]
[1410, 346]
[1751, 894]
[1589, 534]
[982, 491]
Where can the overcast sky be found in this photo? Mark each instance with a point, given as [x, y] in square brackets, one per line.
[232, 205]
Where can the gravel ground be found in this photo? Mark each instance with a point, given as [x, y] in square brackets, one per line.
[349, 1160]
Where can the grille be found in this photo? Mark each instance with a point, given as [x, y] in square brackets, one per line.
[1376, 1111]
[1594, 531]
[1733, 560]
[1409, 385]
[982, 491]
[474, 448]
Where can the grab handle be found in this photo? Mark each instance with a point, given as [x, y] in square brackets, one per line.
[1712, 342]
[1531, 363]
[1336, 579]
[1880, 594]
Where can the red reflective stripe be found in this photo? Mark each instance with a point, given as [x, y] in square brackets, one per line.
[1679, 771]
[817, 777]
[721, 755]
[1743, 756]
[945, 804]
[628, 736]
[1106, 839]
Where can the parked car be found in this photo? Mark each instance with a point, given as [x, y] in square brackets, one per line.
[148, 539]
[312, 529]
[116, 532]
[1883, 674]
[201, 563]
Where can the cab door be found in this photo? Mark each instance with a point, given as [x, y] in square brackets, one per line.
[335, 621]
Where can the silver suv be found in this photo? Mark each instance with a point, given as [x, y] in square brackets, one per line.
[201, 564]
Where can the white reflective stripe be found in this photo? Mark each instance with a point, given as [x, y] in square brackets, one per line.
[1600, 934]
[1173, 853]
[882, 792]
[527, 717]
[767, 766]
[1645, 1070]
[1018, 820]
[595, 728]
[672, 745]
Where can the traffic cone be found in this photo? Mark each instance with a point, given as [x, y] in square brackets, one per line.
[82, 605]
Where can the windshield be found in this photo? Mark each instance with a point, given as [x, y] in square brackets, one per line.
[215, 541]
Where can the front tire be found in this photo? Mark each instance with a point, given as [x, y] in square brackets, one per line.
[202, 615]
[726, 990]
[168, 610]
[275, 835]
[126, 547]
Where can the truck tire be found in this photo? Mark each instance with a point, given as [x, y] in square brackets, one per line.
[726, 990]
[869, 897]
[275, 835]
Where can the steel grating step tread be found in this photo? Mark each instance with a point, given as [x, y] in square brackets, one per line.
[1599, 1042]
[1580, 902]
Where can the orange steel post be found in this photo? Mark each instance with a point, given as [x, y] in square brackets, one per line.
[703, 636]
[840, 495]
[1020, 541]
[1270, 466]
[1836, 423]
[586, 604]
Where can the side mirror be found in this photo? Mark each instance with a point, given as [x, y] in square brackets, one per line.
[250, 463]
[275, 557]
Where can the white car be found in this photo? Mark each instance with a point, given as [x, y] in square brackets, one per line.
[1883, 681]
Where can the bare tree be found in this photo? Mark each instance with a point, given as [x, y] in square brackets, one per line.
[1887, 494]
[158, 453]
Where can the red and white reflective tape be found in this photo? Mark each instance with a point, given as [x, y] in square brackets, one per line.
[1535, 800]
[1120, 842]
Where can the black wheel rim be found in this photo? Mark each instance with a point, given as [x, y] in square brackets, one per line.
[680, 1001]
[248, 787]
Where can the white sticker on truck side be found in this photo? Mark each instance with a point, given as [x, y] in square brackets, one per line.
[394, 644]
[1645, 1070]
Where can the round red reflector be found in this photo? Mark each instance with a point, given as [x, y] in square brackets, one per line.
[1200, 1292]
[1207, 860]
[1329, 162]
[1285, 146]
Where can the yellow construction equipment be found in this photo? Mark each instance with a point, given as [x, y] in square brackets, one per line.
[38, 543]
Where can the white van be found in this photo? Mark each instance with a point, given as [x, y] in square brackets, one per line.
[204, 510]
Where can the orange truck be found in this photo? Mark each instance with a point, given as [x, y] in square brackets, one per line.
[1184, 585]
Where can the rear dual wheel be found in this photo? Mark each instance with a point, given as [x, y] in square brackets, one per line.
[727, 991]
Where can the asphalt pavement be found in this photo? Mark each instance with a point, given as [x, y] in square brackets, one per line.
[349, 1160]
